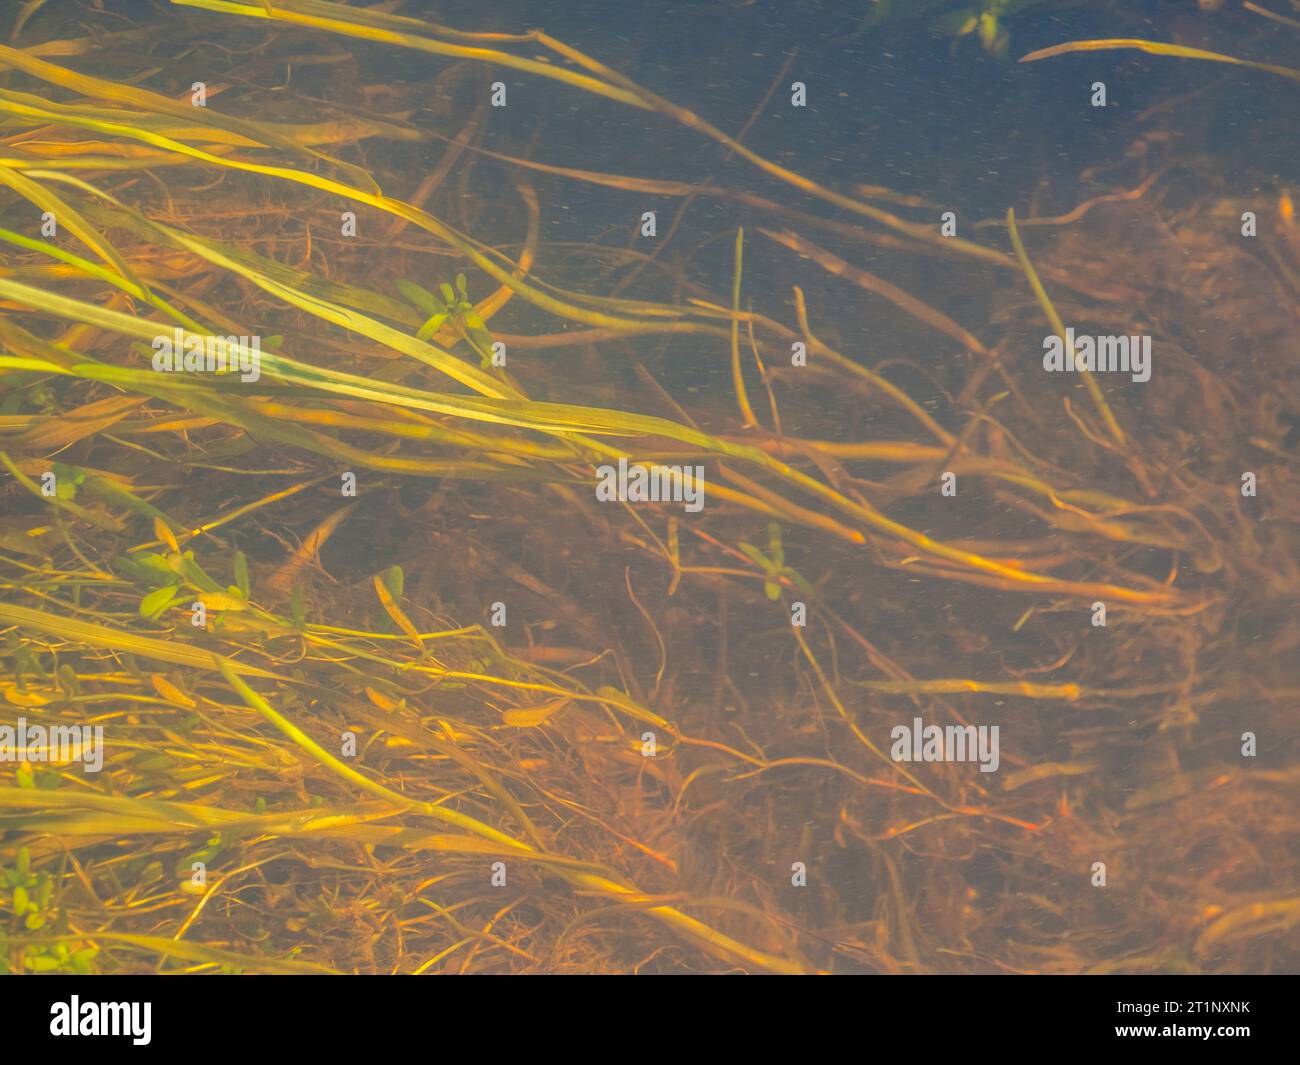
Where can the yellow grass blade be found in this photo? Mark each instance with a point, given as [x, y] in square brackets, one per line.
[144, 100]
[353, 23]
[1178, 51]
[67, 216]
[395, 612]
[119, 640]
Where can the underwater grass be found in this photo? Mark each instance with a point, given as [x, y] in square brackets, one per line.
[533, 753]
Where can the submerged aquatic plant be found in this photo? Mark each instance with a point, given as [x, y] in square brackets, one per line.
[296, 602]
[455, 308]
[773, 564]
[31, 902]
[985, 20]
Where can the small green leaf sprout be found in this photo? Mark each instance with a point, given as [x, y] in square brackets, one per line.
[29, 904]
[455, 307]
[773, 564]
